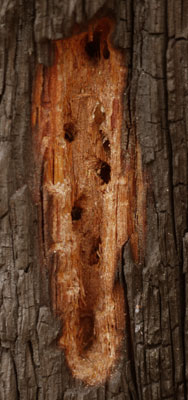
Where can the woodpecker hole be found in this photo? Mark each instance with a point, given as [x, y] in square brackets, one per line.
[70, 132]
[76, 213]
[105, 172]
[92, 48]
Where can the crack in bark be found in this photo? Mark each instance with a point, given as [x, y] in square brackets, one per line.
[16, 378]
[168, 136]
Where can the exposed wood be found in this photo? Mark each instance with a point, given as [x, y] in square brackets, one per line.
[88, 197]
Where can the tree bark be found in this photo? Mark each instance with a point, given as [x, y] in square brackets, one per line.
[153, 36]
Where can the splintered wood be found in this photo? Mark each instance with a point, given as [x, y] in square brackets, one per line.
[90, 205]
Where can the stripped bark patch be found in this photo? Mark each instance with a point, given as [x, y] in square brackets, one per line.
[89, 204]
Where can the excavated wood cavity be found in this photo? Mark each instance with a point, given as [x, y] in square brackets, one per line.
[89, 206]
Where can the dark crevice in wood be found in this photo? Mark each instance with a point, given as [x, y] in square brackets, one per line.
[42, 208]
[131, 67]
[76, 213]
[172, 349]
[106, 397]
[130, 74]
[44, 70]
[54, 281]
[92, 47]
[177, 39]
[131, 397]
[160, 369]
[183, 318]
[184, 298]
[160, 311]
[37, 393]
[119, 273]
[128, 99]
[4, 74]
[16, 55]
[168, 136]
[141, 48]
[30, 346]
[130, 346]
[70, 132]
[12, 241]
[53, 166]
[128, 123]
[4, 215]
[27, 269]
[16, 378]
[105, 172]
[31, 352]
[84, 10]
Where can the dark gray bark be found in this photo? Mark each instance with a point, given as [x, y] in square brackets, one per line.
[154, 363]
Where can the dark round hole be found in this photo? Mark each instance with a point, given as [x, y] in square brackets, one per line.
[106, 53]
[105, 172]
[69, 136]
[76, 213]
[92, 48]
[70, 132]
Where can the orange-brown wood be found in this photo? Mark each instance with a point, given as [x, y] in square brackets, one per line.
[90, 205]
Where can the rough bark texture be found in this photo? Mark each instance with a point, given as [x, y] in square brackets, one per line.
[154, 364]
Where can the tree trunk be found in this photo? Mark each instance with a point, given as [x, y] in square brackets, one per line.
[153, 39]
